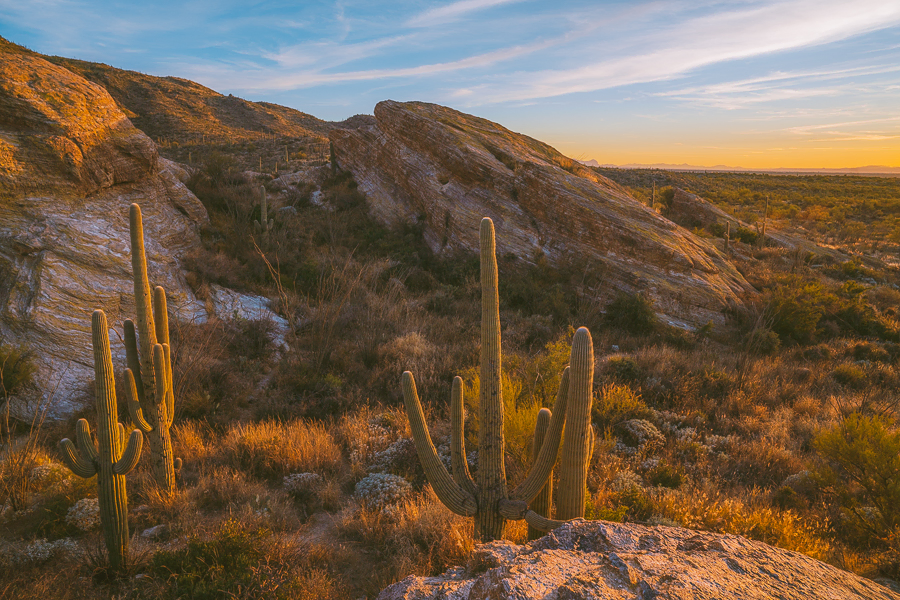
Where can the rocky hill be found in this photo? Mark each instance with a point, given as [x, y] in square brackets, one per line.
[70, 164]
[427, 164]
[598, 560]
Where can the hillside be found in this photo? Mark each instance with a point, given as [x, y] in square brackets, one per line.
[737, 391]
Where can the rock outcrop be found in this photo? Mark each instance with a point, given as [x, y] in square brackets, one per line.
[598, 560]
[70, 164]
[432, 165]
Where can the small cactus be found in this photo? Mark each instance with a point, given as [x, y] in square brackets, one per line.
[264, 225]
[114, 458]
[488, 500]
[727, 236]
[148, 378]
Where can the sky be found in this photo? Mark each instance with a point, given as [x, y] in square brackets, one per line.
[751, 83]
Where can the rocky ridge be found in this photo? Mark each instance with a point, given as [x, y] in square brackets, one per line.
[443, 169]
[599, 560]
[70, 165]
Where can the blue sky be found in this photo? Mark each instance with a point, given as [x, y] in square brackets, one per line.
[755, 83]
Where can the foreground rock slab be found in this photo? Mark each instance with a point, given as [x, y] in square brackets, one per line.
[587, 560]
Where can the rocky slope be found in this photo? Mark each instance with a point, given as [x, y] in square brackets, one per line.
[70, 164]
[425, 163]
[598, 560]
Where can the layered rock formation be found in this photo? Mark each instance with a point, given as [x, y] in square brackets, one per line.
[598, 560]
[429, 164]
[70, 164]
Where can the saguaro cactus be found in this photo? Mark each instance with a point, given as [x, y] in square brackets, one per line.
[543, 502]
[578, 441]
[489, 500]
[264, 225]
[727, 235]
[115, 458]
[148, 378]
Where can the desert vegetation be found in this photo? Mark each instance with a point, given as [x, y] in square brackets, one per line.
[299, 475]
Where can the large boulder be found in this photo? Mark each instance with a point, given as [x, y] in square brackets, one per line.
[445, 170]
[71, 163]
[598, 560]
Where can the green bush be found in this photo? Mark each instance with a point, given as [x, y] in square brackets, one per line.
[632, 313]
[16, 369]
[617, 403]
[222, 567]
[849, 375]
[861, 472]
[624, 369]
[666, 475]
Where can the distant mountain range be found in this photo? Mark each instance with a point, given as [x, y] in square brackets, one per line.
[867, 170]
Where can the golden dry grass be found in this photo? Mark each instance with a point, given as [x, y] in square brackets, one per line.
[276, 449]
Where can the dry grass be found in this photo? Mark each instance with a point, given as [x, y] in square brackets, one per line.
[274, 449]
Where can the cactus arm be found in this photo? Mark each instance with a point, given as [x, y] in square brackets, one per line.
[160, 315]
[133, 361]
[549, 449]
[83, 439]
[131, 455]
[170, 393]
[458, 461]
[256, 225]
[576, 444]
[271, 223]
[448, 491]
[542, 503]
[75, 460]
[134, 406]
[491, 480]
[541, 523]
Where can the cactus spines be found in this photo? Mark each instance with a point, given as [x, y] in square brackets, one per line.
[148, 378]
[264, 225]
[114, 458]
[487, 499]
[577, 441]
[544, 500]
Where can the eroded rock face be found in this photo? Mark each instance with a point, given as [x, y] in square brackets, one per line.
[425, 163]
[70, 165]
[598, 560]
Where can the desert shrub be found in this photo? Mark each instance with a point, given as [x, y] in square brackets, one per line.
[231, 562]
[617, 403]
[665, 474]
[624, 369]
[861, 472]
[417, 536]
[16, 369]
[380, 490]
[275, 449]
[746, 235]
[849, 375]
[632, 313]
[796, 309]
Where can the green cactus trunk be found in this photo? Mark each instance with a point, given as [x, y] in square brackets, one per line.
[543, 502]
[577, 442]
[491, 479]
[488, 501]
[148, 378]
[115, 458]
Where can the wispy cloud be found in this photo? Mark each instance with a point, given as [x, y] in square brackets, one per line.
[453, 11]
[697, 42]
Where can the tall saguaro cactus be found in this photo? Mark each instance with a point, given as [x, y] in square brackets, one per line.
[264, 225]
[148, 378]
[488, 499]
[114, 458]
[577, 444]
